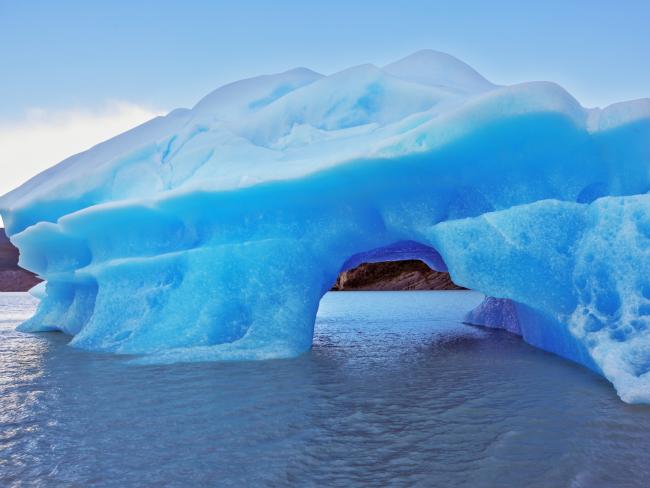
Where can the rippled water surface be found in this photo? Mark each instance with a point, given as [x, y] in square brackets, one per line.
[396, 391]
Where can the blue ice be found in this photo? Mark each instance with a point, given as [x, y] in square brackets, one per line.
[213, 232]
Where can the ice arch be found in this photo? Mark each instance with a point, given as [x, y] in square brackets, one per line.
[212, 233]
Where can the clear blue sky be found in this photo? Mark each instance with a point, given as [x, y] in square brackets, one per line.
[56, 54]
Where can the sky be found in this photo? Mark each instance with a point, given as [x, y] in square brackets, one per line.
[75, 73]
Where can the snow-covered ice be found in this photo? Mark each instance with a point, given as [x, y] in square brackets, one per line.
[212, 233]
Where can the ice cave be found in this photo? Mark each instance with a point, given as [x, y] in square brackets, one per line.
[212, 233]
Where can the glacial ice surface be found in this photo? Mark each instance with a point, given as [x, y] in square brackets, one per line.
[212, 233]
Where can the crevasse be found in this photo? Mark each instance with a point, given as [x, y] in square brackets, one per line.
[212, 233]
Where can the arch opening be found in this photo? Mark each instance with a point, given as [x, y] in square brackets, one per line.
[410, 265]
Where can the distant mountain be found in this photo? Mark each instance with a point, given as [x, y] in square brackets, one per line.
[13, 277]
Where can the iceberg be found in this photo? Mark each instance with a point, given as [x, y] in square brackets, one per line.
[212, 233]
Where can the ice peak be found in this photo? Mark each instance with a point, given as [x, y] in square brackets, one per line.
[435, 68]
[240, 97]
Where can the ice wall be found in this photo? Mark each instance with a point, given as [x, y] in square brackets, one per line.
[212, 233]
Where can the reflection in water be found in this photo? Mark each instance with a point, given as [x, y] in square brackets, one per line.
[395, 391]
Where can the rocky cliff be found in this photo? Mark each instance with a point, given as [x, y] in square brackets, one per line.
[394, 275]
[13, 277]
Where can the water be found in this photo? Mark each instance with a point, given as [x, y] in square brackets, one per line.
[396, 391]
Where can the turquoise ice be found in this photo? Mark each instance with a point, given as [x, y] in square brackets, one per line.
[212, 233]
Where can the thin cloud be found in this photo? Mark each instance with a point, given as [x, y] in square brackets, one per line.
[45, 137]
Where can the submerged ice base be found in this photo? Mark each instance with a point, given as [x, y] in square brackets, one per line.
[212, 233]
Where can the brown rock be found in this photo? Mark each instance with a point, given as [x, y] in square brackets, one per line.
[12, 276]
[394, 275]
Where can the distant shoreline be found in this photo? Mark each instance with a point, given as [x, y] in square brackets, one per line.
[383, 276]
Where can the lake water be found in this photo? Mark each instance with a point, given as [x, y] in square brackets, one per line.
[396, 391]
